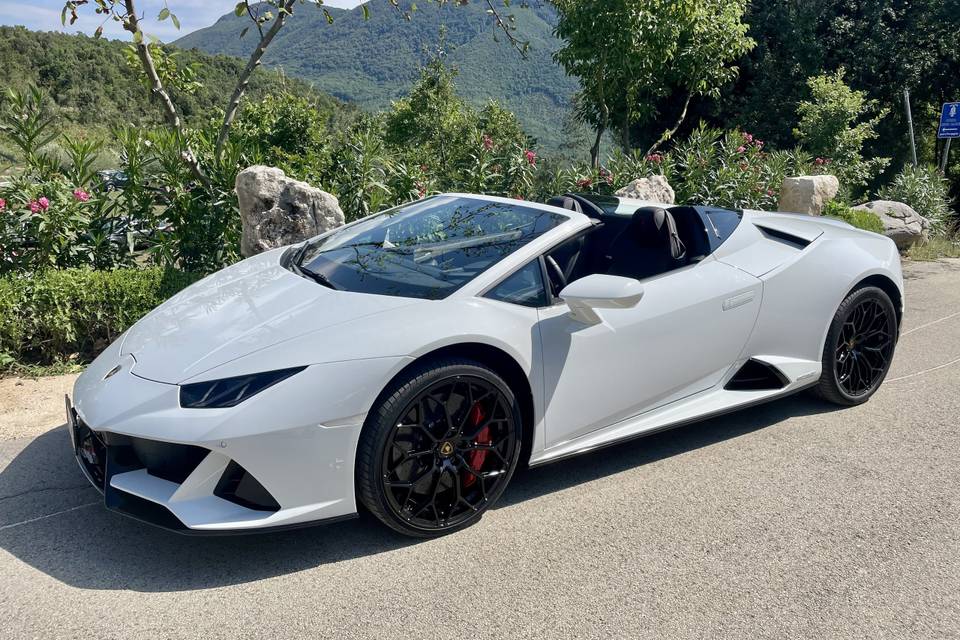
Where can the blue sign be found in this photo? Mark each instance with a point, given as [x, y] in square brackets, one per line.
[950, 121]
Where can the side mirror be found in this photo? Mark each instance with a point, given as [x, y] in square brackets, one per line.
[600, 292]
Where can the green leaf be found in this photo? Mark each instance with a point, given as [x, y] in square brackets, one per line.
[244, 32]
[98, 32]
[138, 37]
[63, 16]
[164, 14]
[366, 11]
[328, 16]
[240, 9]
[175, 20]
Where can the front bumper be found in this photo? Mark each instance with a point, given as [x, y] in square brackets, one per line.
[281, 459]
[153, 481]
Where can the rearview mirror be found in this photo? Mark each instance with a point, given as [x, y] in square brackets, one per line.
[600, 292]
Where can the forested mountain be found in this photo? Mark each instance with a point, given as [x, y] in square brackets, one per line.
[371, 62]
[91, 83]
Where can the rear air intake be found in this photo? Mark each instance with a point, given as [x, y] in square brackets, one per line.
[783, 237]
[757, 376]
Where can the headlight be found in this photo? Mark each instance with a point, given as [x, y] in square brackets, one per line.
[229, 392]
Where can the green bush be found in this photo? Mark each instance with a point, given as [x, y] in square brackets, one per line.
[834, 125]
[74, 313]
[866, 220]
[924, 189]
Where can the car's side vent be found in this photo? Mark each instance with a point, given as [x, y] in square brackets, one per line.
[778, 235]
[757, 376]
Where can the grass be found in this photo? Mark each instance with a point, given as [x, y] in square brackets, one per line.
[935, 248]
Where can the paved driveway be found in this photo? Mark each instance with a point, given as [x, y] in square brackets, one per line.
[789, 520]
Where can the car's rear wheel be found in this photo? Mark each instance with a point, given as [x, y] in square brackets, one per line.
[439, 448]
[859, 347]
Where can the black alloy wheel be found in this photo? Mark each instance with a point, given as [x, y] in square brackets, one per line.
[440, 449]
[859, 347]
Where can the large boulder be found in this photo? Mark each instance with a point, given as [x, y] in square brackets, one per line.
[276, 210]
[901, 223]
[652, 189]
[808, 194]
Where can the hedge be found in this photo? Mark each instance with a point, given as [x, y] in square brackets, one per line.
[56, 316]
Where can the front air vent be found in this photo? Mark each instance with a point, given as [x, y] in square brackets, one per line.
[238, 486]
[778, 235]
[757, 376]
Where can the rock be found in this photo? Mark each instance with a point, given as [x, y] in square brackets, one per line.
[901, 223]
[276, 211]
[652, 189]
[808, 194]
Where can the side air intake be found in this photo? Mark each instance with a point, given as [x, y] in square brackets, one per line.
[778, 235]
[757, 376]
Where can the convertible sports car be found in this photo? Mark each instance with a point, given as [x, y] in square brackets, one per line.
[409, 362]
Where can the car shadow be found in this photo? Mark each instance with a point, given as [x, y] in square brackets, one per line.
[48, 522]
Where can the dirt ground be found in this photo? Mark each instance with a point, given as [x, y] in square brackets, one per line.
[29, 406]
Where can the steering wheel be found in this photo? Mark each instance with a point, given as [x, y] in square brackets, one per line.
[557, 271]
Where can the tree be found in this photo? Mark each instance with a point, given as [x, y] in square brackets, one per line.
[632, 56]
[267, 26]
[832, 126]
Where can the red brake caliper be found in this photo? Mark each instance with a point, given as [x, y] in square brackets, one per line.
[475, 459]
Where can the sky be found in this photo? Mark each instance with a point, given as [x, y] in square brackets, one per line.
[44, 15]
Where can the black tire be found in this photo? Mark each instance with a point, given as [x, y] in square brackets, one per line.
[859, 347]
[462, 450]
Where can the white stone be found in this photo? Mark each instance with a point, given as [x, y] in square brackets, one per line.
[276, 210]
[652, 189]
[808, 194]
[901, 223]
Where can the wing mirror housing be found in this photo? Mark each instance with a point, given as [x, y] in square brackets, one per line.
[600, 291]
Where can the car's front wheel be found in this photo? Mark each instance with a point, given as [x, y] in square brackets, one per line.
[439, 447]
[859, 347]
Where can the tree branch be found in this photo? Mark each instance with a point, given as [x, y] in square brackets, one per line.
[668, 134]
[132, 24]
[521, 47]
[244, 79]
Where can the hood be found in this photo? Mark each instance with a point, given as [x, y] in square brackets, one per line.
[250, 306]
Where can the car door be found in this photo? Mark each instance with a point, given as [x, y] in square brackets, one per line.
[681, 338]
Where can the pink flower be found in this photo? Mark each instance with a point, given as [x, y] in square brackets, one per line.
[759, 144]
[741, 149]
[748, 137]
[487, 142]
[655, 158]
[80, 195]
[770, 192]
[3, 204]
[531, 157]
[43, 202]
[584, 183]
[34, 206]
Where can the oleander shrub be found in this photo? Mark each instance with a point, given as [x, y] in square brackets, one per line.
[72, 314]
[924, 189]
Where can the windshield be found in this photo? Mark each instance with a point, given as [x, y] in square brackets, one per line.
[426, 249]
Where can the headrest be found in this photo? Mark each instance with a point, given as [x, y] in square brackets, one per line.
[565, 202]
[654, 227]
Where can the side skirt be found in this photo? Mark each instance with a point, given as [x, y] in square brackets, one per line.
[570, 449]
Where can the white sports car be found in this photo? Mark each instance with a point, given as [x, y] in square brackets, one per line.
[409, 362]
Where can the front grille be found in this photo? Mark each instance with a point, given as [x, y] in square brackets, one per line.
[172, 462]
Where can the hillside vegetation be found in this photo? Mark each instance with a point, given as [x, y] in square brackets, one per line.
[91, 85]
[373, 62]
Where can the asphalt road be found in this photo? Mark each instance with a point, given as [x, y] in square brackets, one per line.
[792, 520]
